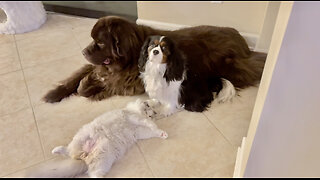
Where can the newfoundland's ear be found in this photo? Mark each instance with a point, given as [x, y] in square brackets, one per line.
[175, 65]
[115, 45]
[97, 29]
[109, 34]
[143, 55]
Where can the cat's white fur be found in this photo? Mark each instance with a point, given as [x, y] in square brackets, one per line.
[104, 140]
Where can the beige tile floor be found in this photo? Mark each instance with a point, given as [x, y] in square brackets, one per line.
[199, 144]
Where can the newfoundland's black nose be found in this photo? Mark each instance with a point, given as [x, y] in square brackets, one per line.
[84, 52]
[155, 52]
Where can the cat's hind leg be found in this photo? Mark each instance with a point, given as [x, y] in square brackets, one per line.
[100, 165]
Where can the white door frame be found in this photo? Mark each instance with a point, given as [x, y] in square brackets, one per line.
[279, 32]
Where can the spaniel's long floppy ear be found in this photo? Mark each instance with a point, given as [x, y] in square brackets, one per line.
[175, 64]
[143, 55]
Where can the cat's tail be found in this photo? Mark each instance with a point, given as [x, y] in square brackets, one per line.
[61, 167]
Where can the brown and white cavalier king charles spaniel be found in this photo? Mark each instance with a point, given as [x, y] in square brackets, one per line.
[181, 72]
[172, 80]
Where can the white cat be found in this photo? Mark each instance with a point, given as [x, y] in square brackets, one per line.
[100, 143]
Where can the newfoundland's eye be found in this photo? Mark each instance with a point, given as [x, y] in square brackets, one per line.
[101, 45]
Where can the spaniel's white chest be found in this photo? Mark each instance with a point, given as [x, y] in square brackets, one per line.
[157, 87]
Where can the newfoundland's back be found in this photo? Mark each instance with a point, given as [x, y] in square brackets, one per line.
[221, 52]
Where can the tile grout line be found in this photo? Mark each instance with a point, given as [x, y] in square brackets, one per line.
[10, 72]
[51, 61]
[32, 108]
[42, 161]
[10, 42]
[32, 36]
[113, 104]
[145, 160]
[2, 115]
[74, 36]
[44, 63]
[221, 134]
[71, 28]
[218, 130]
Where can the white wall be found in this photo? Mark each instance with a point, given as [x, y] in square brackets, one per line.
[268, 26]
[245, 16]
[255, 20]
[287, 138]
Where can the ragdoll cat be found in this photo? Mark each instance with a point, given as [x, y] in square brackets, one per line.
[103, 141]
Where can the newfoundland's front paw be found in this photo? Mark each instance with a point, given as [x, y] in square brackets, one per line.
[56, 95]
[89, 87]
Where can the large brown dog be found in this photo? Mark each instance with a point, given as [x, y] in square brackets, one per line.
[115, 51]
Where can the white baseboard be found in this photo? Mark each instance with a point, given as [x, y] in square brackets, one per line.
[261, 50]
[237, 167]
[251, 39]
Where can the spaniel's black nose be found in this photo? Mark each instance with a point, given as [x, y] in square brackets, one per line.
[155, 52]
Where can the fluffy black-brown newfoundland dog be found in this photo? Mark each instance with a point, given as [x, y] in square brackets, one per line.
[115, 49]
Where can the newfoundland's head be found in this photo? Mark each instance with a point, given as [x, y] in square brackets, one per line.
[116, 43]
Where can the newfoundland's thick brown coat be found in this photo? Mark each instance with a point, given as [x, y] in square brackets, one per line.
[115, 50]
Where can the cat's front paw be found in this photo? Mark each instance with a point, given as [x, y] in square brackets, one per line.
[153, 103]
[148, 111]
